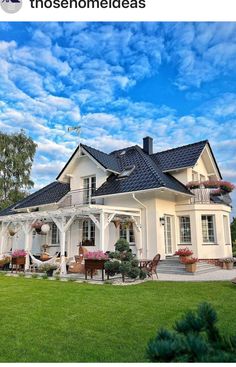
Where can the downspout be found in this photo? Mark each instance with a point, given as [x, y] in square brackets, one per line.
[146, 220]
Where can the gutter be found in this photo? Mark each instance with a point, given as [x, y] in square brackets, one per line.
[146, 220]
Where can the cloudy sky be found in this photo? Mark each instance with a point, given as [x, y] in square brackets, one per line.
[120, 82]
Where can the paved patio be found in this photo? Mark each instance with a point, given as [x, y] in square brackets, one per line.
[218, 274]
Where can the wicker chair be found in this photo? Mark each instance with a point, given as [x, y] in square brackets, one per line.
[151, 266]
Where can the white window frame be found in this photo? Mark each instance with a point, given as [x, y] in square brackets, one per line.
[89, 188]
[127, 233]
[55, 235]
[91, 229]
[195, 176]
[181, 239]
[226, 230]
[208, 242]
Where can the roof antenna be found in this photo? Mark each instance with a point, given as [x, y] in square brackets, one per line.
[77, 129]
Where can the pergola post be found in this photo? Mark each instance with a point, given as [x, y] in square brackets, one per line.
[102, 231]
[63, 227]
[3, 236]
[27, 228]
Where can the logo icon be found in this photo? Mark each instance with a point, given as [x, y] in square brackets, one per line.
[11, 6]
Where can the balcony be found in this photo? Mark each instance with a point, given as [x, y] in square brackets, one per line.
[80, 197]
[201, 196]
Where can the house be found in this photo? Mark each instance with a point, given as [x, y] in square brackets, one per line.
[130, 193]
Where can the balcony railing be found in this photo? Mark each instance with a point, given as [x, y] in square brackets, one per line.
[201, 196]
[80, 197]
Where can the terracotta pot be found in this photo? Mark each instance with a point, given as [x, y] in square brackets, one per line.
[229, 266]
[191, 268]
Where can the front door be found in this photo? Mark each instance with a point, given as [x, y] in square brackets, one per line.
[168, 235]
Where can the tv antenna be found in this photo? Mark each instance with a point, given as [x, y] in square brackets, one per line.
[76, 129]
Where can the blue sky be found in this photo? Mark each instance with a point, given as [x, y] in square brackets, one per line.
[120, 82]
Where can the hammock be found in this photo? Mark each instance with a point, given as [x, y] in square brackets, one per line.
[37, 262]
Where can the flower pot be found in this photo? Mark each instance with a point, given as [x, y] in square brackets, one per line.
[191, 268]
[20, 260]
[229, 266]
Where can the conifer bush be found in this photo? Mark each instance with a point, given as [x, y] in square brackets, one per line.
[195, 338]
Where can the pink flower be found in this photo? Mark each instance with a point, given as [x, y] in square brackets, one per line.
[19, 253]
[96, 255]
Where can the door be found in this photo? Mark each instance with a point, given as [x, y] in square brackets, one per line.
[168, 235]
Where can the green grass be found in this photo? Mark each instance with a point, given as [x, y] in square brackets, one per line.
[49, 321]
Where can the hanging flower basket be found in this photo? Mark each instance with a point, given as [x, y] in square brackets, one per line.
[37, 226]
[116, 222]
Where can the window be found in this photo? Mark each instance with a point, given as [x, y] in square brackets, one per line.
[185, 230]
[226, 230]
[89, 187]
[127, 233]
[55, 235]
[208, 228]
[127, 172]
[89, 231]
[194, 176]
[202, 178]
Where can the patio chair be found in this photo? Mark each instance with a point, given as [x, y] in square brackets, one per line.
[151, 266]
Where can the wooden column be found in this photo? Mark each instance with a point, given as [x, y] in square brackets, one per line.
[3, 238]
[102, 231]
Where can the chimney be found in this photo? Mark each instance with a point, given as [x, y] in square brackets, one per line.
[148, 145]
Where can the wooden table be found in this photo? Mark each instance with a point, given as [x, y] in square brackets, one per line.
[92, 265]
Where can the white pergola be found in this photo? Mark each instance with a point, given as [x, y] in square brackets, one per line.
[101, 215]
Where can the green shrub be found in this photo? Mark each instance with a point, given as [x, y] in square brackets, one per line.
[134, 263]
[125, 267]
[122, 245]
[34, 275]
[112, 267]
[114, 255]
[143, 274]
[134, 273]
[195, 338]
[44, 276]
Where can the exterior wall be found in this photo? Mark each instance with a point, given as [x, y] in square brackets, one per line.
[181, 175]
[208, 251]
[86, 167]
[200, 168]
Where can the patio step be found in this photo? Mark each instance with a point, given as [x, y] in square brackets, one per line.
[171, 265]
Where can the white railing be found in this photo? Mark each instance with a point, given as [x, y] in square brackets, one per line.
[80, 197]
[201, 196]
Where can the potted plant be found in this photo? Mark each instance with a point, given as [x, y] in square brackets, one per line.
[227, 263]
[12, 230]
[116, 222]
[48, 269]
[190, 264]
[184, 253]
[18, 258]
[95, 260]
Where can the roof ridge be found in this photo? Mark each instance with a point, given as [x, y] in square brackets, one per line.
[150, 164]
[182, 146]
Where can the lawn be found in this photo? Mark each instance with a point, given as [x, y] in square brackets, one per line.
[52, 321]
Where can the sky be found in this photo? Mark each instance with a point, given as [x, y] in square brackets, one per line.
[120, 82]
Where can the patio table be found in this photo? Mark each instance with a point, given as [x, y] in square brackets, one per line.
[92, 265]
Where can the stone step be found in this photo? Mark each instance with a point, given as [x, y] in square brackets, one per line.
[171, 265]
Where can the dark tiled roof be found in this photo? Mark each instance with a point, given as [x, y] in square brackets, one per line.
[51, 193]
[146, 175]
[108, 161]
[181, 157]
[7, 211]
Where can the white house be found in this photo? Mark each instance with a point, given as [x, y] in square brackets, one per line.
[131, 193]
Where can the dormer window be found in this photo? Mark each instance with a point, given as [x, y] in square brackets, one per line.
[126, 172]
